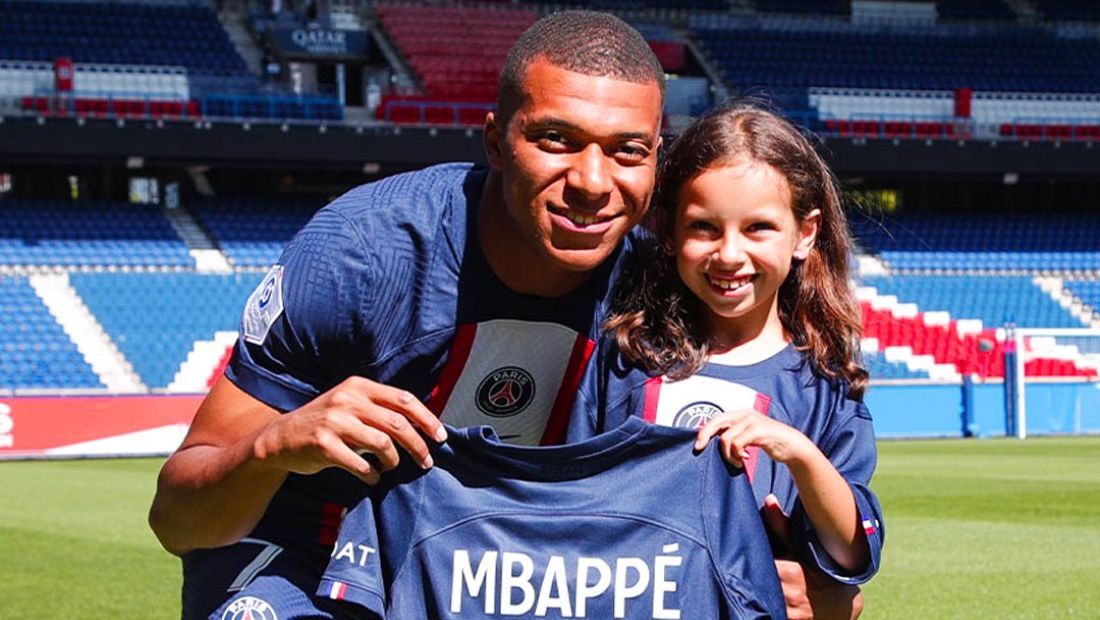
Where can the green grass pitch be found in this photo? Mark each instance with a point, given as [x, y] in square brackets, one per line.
[977, 529]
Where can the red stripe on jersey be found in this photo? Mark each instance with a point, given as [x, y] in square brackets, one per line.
[332, 516]
[652, 395]
[341, 591]
[554, 434]
[452, 370]
[761, 405]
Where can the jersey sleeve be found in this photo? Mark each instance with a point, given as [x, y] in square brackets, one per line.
[850, 445]
[354, 572]
[300, 322]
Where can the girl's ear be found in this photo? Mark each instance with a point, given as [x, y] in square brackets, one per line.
[807, 234]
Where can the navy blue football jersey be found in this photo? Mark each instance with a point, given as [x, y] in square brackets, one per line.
[390, 283]
[784, 387]
[629, 524]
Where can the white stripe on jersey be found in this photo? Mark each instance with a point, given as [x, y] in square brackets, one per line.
[517, 403]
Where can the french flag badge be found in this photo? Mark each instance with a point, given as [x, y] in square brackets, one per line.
[338, 590]
[870, 526]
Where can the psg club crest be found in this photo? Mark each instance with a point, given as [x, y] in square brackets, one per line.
[695, 415]
[249, 608]
[505, 392]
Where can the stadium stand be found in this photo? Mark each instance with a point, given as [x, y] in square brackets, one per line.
[787, 53]
[1068, 10]
[155, 34]
[252, 231]
[966, 348]
[973, 242]
[1088, 291]
[979, 69]
[974, 10]
[808, 7]
[155, 319]
[35, 353]
[457, 53]
[88, 234]
[175, 61]
[993, 300]
[881, 367]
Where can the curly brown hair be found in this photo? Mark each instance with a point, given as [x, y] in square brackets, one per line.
[656, 319]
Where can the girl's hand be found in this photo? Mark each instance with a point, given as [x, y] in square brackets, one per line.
[737, 430]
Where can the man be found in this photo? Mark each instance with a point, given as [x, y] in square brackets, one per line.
[478, 292]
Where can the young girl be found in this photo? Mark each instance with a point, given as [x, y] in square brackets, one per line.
[739, 321]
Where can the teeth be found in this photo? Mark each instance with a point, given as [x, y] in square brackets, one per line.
[581, 220]
[728, 285]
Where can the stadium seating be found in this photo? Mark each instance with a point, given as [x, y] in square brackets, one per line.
[88, 234]
[994, 300]
[457, 51]
[974, 10]
[173, 61]
[970, 351]
[780, 54]
[34, 351]
[119, 33]
[880, 368]
[1069, 10]
[1088, 291]
[810, 7]
[972, 242]
[155, 318]
[252, 231]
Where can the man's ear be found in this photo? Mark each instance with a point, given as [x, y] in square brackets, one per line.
[491, 139]
[807, 234]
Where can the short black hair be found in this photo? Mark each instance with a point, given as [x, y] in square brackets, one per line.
[585, 42]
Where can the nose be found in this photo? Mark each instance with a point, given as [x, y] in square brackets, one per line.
[730, 251]
[590, 175]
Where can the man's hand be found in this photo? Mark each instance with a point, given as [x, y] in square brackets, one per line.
[355, 416]
[808, 593]
[238, 452]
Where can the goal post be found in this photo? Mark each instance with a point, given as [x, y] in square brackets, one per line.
[1052, 381]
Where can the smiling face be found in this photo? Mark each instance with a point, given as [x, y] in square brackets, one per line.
[575, 166]
[735, 239]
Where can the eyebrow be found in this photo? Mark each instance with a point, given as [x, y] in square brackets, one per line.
[553, 121]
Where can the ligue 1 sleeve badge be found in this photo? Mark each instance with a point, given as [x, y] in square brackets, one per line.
[505, 392]
[263, 307]
[249, 608]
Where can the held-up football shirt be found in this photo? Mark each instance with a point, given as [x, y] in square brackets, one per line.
[629, 524]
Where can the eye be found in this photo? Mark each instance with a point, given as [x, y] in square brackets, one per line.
[761, 226]
[701, 226]
[631, 153]
[552, 141]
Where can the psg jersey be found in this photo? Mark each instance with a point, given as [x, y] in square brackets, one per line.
[629, 524]
[389, 282]
[784, 387]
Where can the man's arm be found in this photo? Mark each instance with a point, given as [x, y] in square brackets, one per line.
[238, 451]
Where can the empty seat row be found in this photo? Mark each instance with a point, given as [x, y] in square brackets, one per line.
[155, 319]
[35, 353]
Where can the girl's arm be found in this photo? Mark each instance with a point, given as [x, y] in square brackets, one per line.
[826, 496]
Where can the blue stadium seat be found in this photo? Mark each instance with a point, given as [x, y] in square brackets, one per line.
[994, 300]
[154, 318]
[34, 351]
[252, 231]
[975, 242]
[87, 234]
